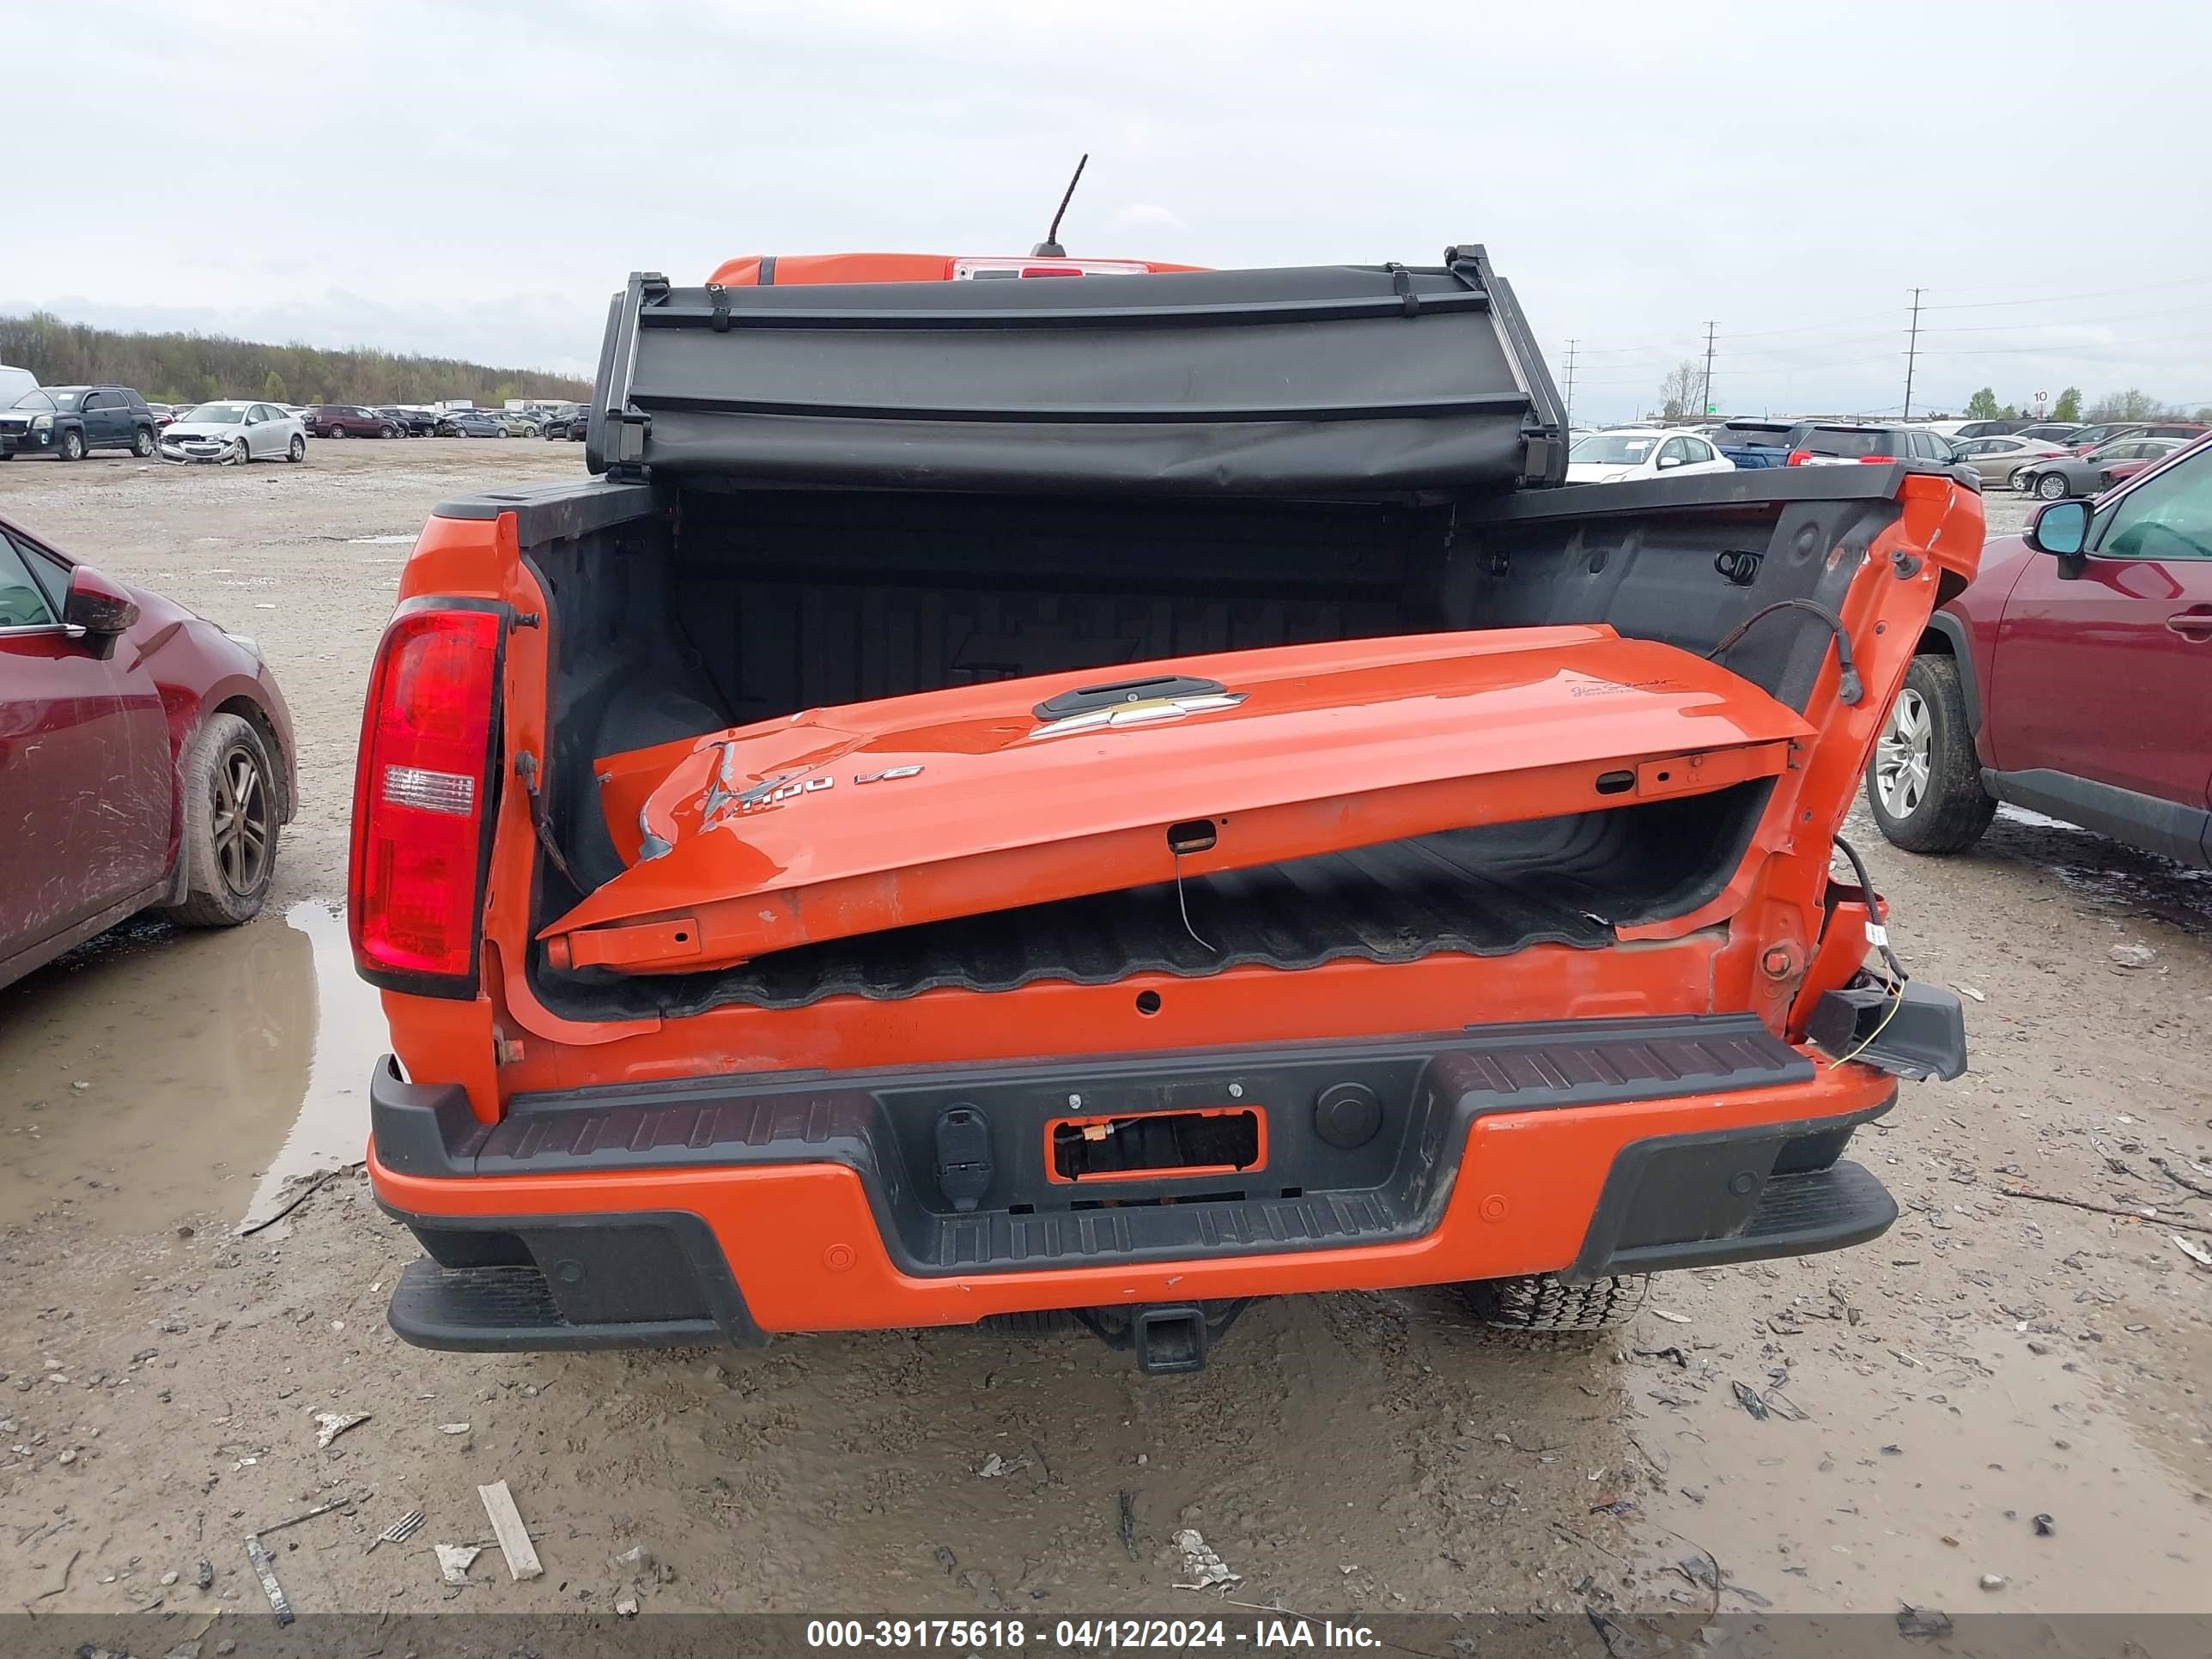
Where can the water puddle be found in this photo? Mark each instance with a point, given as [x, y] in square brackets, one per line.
[156, 1076]
[1911, 1483]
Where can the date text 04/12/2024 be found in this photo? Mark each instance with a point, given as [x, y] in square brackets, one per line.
[1267, 1634]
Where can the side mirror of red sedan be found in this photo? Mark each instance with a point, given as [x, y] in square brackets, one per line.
[99, 608]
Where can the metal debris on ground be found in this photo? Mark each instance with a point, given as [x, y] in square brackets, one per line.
[329, 1426]
[1923, 1624]
[626, 1606]
[2193, 1250]
[994, 1465]
[1669, 1353]
[1993, 1581]
[1747, 1397]
[1207, 1570]
[946, 1559]
[452, 1428]
[1671, 1318]
[506, 1526]
[203, 1574]
[1967, 991]
[2045, 1526]
[454, 1560]
[304, 1515]
[264, 1569]
[1127, 1522]
[398, 1532]
[636, 1558]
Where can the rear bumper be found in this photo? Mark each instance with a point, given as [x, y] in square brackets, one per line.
[725, 1211]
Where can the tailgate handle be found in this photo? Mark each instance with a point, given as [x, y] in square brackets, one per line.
[1085, 699]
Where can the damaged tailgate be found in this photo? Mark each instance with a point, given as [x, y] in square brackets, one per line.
[845, 821]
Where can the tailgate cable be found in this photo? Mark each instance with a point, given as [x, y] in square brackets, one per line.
[1849, 687]
[525, 768]
[1878, 935]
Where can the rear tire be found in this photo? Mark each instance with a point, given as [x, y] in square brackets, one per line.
[142, 443]
[2051, 487]
[335, 432]
[1545, 1304]
[231, 825]
[1924, 785]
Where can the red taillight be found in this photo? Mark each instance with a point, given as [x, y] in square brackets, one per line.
[1877, 461]
[422, 797]
[1798, 458]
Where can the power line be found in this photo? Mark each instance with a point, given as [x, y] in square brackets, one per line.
[1912, 350]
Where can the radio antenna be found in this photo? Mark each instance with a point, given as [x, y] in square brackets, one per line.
[1050, 248]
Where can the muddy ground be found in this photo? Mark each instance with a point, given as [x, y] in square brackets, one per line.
[1993, 1360]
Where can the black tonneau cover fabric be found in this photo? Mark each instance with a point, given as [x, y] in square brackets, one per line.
[1326, 380]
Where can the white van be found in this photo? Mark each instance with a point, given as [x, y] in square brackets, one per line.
[14, 383]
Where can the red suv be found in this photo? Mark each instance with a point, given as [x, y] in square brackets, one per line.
[146, 759]
[2073, 676]
[348, 421]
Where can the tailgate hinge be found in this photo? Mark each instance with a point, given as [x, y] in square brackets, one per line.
[525, 768]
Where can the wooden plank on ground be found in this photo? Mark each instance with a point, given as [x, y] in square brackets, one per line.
[506, 1526]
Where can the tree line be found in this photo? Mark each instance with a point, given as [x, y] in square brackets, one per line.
[2133, 405]
[193, 368]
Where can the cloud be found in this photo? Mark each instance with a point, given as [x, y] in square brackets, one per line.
[1139, 215]
[476, 179]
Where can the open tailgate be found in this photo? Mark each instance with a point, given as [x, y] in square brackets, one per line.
[841, 821]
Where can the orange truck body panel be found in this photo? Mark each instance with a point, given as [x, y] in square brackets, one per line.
[1337, 746]
[776, 833]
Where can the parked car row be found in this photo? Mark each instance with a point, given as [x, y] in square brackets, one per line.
[2052, 460]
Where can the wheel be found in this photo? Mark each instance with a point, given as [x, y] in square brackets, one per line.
[72, 445]
[2022, 479]
[1543, 1303]
[2051, 486]
[241, 452]
[298, 451]
[335, 432]
[230, 825]
[386, 431]
[499, 432]
[1924, 788]
[142, 443]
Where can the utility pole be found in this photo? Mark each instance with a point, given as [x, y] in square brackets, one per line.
[1706, 401]
[1912, 350]
[1570, 383]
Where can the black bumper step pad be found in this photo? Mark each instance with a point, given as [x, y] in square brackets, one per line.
[512, 1309]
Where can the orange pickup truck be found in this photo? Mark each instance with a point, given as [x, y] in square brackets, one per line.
[1021, 802]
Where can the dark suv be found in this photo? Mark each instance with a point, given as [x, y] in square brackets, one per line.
[72, 420]
[411, 422]
[348, 421]
[1819, 443]
[567, 421]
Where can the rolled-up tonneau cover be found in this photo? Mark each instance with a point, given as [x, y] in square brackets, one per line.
[1333, 380]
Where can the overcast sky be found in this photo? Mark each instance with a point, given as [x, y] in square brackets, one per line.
[474, 179]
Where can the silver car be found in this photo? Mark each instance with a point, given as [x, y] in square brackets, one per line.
[234, 434]
[2002, 460]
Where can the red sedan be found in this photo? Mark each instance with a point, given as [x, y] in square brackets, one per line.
[146, 759]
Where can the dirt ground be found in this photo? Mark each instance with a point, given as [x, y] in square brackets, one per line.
[1993, 1360]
